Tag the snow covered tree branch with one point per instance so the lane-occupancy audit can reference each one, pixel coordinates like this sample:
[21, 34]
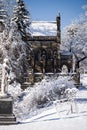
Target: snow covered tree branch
[74, 39]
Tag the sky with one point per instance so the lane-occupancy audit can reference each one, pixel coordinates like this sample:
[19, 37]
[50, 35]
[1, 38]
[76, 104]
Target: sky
[47, 10]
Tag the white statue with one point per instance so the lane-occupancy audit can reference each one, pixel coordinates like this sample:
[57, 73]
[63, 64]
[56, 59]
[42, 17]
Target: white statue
[4, 82]
[64, 69]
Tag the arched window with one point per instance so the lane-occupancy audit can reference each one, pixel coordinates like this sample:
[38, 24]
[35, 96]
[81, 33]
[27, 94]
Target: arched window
[55, 53]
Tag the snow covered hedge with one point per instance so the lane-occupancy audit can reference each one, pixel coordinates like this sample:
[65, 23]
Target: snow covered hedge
[40, 95]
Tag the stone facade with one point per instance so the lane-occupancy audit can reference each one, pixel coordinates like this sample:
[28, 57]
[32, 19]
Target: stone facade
[45, 57]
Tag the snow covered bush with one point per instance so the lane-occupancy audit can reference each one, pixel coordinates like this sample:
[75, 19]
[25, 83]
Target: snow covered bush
[40, 95]
[15, 90]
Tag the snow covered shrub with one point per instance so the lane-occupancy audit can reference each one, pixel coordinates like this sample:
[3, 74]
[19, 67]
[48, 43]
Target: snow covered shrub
[41, 95]
[15, 90]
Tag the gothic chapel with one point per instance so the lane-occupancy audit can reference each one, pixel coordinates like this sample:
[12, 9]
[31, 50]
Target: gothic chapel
[45, 57]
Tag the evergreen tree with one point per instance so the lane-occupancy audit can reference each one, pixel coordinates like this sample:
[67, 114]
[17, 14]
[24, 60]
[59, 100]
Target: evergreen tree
[3, 15]
[9, 7]
[16, 53]
[22, 18]
[4, 29]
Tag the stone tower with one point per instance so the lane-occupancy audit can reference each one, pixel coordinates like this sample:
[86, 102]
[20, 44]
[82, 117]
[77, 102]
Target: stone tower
[58, 30]
[58, 21]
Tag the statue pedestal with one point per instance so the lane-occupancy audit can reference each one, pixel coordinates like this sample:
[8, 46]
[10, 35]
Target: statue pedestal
[6, 111]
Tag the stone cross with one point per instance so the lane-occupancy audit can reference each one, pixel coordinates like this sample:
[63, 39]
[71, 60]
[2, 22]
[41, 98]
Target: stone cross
[4, 82]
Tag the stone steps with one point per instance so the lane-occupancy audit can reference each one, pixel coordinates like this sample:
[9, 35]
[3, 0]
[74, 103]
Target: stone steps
[7, 122]
[7, 119]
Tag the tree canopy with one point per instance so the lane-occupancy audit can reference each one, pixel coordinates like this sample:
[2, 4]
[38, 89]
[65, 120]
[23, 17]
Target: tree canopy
[74, 38]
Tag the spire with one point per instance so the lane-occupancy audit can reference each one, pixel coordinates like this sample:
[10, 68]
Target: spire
[58, 22]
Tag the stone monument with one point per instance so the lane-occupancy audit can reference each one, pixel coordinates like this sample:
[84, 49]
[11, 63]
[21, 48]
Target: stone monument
[6, 101]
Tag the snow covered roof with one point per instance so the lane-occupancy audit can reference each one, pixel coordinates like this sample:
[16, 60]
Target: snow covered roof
[43, 28]
[66, 53]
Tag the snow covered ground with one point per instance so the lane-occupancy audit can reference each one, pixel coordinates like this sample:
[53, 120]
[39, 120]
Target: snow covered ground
[58, 116]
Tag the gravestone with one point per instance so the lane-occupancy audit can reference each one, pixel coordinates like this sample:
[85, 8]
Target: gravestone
[6, 101]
